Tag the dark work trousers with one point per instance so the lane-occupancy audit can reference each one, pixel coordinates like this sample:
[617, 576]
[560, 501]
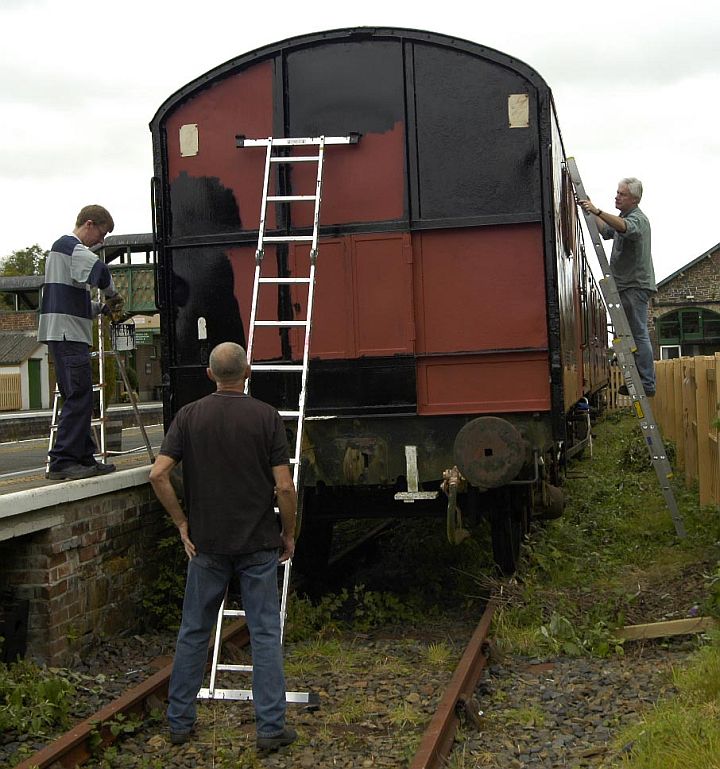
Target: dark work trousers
[73, 441]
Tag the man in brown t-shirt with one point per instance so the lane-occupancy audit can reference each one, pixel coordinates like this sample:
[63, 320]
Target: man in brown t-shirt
[235, 468]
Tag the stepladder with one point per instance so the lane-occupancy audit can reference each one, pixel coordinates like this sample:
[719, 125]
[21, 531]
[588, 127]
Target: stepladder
[109, 348]
[624, 347]
[266, 317]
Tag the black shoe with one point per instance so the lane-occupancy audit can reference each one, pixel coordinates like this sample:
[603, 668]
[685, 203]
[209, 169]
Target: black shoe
[104, 469]
[622, 390]
[71, 473]
[286, 737]
[180, 738]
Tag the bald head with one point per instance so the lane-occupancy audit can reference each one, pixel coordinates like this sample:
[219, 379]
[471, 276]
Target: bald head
[228, 364]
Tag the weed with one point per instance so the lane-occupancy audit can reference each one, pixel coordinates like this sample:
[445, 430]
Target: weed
[163, 597]
[404, 714]
[33, 700]
[583, 572]
[439, 655]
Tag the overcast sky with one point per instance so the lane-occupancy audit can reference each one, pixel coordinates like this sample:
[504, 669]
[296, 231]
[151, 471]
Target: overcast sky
[636, 84]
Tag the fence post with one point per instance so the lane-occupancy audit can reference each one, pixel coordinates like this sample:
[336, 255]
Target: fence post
[690, 423]
[705, 438]
[675, 403]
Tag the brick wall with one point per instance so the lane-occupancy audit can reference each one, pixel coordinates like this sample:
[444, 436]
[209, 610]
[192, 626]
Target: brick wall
[700, 281]
[19, 321]
[84, 578]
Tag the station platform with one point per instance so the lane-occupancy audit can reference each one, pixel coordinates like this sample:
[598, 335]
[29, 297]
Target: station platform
[22, 460]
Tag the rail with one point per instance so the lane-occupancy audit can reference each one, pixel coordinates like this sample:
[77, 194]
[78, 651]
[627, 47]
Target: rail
[438, 739]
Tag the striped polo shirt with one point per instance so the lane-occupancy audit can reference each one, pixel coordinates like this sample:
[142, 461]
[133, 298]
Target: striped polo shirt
[66, 312]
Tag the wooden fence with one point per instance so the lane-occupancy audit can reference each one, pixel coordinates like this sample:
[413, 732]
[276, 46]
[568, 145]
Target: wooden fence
[10, 397]
[686, 410]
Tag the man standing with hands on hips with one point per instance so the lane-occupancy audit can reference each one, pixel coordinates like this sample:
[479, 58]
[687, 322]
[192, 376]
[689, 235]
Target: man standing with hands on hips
[235, 465]
[632, 268]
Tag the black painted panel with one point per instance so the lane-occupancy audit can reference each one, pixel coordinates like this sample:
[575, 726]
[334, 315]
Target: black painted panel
[470, 163]
[202, 205]
[203, 286]
[341, 87]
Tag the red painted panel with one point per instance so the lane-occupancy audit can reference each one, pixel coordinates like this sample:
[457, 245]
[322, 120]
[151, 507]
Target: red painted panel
[382, 274]
[483, 384]
[480, 289]
[332, 329]
[361, 183]
[240, 104]
[363, 300]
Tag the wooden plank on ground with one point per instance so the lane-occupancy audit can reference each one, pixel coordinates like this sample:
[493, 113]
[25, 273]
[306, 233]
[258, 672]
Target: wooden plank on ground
[667, 628]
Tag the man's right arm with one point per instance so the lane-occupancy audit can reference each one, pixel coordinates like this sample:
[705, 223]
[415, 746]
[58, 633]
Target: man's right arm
[164, 491]
[286, 497]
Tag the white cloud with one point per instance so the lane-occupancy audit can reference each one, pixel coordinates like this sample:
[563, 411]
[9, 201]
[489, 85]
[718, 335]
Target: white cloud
[635, 86]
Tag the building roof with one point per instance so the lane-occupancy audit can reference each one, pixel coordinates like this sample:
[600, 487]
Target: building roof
[17, 347]
[19, 283]
[689, 265]
[115, 246]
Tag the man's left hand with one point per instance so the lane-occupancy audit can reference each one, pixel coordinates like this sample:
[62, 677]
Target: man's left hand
[288, 547]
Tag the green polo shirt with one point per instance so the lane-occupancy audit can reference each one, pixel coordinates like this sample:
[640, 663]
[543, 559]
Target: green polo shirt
[631, 259]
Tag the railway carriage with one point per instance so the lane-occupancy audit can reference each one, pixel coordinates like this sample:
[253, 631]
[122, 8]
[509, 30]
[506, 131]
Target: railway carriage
[456, 321]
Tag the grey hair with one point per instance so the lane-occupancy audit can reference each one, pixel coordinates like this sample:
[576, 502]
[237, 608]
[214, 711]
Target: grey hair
[228, 362]
[634, 186]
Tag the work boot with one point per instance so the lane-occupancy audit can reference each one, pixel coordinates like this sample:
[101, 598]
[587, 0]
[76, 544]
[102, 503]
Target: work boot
[104, 469]
[72, 472]
[286, 737]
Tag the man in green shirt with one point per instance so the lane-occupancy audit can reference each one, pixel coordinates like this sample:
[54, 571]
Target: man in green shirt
[632, 267]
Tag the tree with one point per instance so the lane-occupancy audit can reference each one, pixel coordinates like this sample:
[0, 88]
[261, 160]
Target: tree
[26, 261]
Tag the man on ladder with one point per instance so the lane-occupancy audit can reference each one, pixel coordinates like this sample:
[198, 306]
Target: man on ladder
[65, 324]
[235, 462]
[632, 267]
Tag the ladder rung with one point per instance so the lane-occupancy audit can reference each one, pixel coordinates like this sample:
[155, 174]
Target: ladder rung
[310, 698]
[233, 612]
[281, 323]
[295, 159]
[283, 281]
[288, 239]
[235, 668]
[277, 367]
[289, 413]
[288, 198]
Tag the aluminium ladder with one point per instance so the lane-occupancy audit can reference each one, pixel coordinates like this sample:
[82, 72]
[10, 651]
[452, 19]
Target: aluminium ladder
[101, 354]
[624, 346]
[279, 368]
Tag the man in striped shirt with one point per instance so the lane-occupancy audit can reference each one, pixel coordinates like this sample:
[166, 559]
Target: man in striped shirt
[66, 318]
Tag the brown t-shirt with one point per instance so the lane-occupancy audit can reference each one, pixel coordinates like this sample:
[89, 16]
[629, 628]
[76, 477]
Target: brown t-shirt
[228, 444]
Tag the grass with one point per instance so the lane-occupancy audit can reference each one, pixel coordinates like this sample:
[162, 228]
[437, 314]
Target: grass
[614, 559]
[685, 731]
[583, 575]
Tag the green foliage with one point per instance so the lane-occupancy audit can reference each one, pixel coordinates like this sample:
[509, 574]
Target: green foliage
[684, 731]
[580, 579]
[33, 700]
[26, 261]
[362, 608]
[163, 597]
[711, 605]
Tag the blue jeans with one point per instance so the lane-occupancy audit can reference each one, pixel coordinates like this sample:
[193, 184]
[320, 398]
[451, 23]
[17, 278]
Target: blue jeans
[635, 303]
[207, 579]
[73, 440]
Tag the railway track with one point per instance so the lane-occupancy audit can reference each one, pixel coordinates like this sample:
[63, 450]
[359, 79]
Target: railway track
[83, 741]
[89, 738]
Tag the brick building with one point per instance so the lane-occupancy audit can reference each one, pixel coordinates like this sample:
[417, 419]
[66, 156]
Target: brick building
[685, 312]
